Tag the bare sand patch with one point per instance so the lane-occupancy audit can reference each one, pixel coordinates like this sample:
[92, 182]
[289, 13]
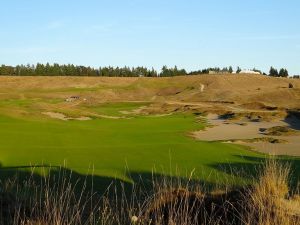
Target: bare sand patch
[237, 131]
[61, 116]
[111, 117]
[161, 115]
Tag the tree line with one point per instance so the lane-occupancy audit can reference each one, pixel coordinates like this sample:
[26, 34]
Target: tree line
[282, 72]
[213, 69]
[73, 70]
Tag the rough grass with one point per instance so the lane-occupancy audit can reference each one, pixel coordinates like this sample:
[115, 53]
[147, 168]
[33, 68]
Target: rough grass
[261, 139]
[118, 108]
[54, 201]
[280, 131]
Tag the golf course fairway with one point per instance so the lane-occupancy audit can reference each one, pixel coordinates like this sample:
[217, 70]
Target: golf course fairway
[110, 147]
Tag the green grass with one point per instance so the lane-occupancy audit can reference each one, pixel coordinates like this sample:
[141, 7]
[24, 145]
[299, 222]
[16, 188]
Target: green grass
[115, 109]
[16, 102]
[108, 147]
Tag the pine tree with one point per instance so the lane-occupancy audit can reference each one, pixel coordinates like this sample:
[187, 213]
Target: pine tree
[273, 72]
[283, 73]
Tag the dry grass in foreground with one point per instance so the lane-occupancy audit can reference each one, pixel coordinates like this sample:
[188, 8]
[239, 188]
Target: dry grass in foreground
[267, 202]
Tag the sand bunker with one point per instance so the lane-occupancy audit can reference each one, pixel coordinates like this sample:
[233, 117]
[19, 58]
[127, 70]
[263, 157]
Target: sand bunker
[61, 116]
[110, 117]
[224, 130]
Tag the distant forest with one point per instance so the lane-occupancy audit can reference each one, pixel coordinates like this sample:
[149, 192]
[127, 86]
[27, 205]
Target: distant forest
[73, 70]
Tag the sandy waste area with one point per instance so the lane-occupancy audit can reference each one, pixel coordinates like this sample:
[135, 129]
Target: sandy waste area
[239, 131]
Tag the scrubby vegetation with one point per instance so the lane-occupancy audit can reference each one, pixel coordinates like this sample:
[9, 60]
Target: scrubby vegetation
[260, 139]
[279, 131]
[56, 200]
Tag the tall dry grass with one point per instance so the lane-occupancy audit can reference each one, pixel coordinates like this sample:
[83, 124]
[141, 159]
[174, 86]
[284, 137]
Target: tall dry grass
[268, 201]
[271, 202]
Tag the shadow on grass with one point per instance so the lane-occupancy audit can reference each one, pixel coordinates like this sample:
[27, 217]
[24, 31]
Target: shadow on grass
[251, 167]
[87, 184]
[100, 185]
[248, 169]
[293, 119]
[38, 174]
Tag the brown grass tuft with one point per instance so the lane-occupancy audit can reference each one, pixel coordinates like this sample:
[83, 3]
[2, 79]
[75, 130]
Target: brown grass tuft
[270, 202]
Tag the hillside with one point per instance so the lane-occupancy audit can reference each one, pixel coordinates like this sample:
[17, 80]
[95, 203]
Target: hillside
[235, 89]
[101, 129]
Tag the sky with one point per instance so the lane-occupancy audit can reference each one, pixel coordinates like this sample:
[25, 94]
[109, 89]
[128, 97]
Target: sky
[192, 34]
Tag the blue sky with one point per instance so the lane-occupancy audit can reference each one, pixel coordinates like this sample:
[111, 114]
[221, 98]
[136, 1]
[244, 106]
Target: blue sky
[188, 33]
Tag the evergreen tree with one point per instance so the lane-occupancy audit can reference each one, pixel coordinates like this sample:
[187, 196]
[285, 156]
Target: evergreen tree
[273, 72]
[39, 69]
[283, 73]
[164, 72]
